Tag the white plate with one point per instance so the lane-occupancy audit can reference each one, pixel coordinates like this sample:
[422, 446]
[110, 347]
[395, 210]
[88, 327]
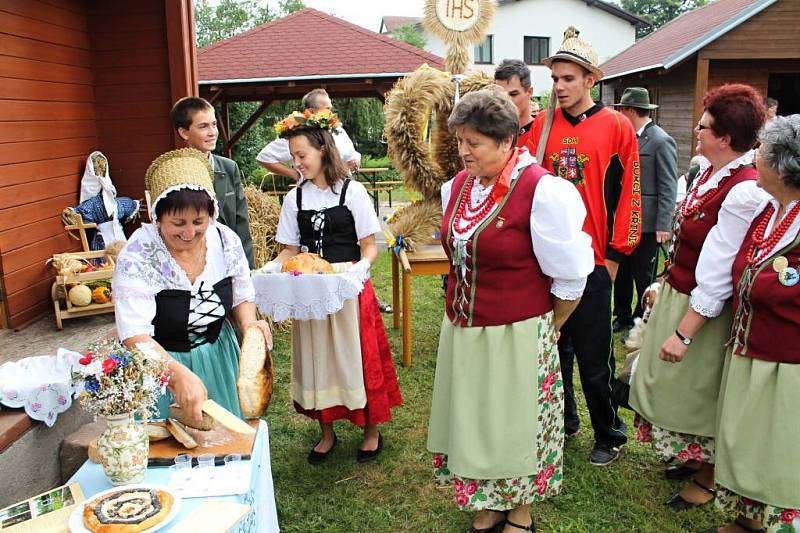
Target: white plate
[76, 518]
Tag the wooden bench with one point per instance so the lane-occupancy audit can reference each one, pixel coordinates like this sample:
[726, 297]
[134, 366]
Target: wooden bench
[384, 186]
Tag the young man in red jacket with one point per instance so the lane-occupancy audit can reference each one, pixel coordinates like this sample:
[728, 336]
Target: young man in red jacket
[594, 148]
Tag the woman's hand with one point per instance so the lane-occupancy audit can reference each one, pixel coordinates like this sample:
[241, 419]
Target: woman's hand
[189, 391]
[673, 350]
[264, 327]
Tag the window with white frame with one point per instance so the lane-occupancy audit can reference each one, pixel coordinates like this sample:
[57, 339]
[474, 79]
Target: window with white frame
[483, 51]
[535, 49]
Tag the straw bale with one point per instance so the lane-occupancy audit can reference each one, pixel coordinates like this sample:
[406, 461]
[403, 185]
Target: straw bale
[264, 211]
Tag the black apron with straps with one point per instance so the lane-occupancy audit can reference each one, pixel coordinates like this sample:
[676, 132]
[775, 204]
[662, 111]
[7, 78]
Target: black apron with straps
[172, 329]
[330, 232]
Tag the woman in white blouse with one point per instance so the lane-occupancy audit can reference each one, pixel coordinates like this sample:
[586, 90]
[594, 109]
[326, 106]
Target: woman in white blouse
[675, 387]
[179, 281]
[341, 366]
[519, 266]
[757, 455]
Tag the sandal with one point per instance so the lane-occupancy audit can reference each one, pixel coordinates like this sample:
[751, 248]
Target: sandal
[496, 527]
[739, 523]
[679, 471]
[531, 527]
[677, 503]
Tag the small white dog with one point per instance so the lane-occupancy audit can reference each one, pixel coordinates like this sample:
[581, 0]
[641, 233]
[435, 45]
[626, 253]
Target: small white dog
[649, 298]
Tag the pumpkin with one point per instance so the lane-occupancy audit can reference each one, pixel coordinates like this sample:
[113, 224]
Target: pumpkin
[80, 295]
[101, 295]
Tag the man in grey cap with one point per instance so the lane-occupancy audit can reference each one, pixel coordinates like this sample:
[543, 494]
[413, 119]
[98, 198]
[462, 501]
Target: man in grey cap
[658, 158]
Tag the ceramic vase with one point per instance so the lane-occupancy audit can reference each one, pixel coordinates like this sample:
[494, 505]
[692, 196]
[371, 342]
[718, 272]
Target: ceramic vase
[123, 447]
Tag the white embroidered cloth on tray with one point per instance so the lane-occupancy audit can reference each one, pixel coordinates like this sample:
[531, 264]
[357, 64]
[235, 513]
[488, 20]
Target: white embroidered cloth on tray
[42, 385]
[283, 296]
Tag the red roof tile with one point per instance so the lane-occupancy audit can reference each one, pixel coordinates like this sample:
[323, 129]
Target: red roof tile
[683, 36]
[309, 43]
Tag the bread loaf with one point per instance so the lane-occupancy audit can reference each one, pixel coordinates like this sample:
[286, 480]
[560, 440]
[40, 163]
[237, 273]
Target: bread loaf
[180, 433]
[180, 415]
[307, 263]
[157, 431]
[254, 382]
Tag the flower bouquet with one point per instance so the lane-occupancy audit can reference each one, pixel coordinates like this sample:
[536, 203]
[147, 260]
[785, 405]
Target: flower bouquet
[117, 383]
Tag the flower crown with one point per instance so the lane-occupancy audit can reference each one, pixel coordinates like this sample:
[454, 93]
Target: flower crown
[323, 119]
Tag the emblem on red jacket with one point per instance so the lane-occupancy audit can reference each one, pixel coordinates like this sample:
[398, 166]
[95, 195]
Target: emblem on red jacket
[569, 165]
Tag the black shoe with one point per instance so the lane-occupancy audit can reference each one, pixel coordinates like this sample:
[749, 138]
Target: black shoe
[677, 503]
[679, 472]
[619, 325]
[603, 455]
[364, 456]
[316, 458]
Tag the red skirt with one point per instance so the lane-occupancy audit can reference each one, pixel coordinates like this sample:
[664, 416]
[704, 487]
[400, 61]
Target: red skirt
[380, 378]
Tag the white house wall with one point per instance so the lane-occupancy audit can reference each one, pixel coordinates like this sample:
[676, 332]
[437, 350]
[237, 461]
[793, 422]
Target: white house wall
[609, 34]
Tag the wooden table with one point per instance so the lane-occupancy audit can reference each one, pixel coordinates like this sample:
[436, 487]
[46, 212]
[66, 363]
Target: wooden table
[370, 175]
[428, 260]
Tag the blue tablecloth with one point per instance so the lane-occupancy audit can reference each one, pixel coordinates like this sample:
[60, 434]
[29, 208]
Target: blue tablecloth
[261, 497]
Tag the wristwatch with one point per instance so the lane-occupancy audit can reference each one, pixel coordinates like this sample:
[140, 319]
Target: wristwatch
[685, 340]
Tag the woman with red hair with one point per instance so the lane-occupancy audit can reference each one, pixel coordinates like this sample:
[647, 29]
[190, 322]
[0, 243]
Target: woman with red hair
[675, 386]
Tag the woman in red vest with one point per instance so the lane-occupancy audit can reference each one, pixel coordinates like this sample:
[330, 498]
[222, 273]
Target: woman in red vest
[676, 383]
[758, 433]
[519, 266]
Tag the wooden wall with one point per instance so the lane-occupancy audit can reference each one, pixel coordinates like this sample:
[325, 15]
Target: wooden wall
[673, 92]
[771, 34]
[78, 76]
[47, 129]
[132, 87]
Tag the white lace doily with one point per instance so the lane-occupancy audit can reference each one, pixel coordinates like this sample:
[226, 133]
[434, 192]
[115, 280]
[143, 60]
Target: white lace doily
[42, 385]
[305, 296]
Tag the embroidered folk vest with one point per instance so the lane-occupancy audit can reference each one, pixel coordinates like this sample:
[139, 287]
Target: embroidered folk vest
[766, 321]
[503, 282]
[692, 233]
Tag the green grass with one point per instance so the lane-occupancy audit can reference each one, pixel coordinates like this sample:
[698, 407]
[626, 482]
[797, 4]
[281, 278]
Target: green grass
[396, 493]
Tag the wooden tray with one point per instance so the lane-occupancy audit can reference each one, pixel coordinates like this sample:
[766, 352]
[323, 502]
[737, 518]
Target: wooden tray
[220, 441]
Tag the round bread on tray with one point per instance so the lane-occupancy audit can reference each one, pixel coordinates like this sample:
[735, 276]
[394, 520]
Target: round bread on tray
[127, 510]
[307, 263]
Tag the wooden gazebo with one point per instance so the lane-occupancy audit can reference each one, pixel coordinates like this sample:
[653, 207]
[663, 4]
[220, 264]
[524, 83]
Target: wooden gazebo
[286, 58]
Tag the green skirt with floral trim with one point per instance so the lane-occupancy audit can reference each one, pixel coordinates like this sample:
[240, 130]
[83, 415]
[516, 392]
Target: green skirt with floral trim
[496, 427]
[758, 434]
[680, 397]
[217, 366]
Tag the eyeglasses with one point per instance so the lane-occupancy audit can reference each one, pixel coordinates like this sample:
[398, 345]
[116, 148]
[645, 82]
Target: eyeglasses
[700, 127]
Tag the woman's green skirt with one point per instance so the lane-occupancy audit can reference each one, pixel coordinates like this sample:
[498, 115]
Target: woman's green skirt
[758, 437]
[217, 365]
[680, 397]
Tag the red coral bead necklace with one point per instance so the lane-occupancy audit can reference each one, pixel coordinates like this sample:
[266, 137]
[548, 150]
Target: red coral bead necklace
[468, 215]
[762, 244]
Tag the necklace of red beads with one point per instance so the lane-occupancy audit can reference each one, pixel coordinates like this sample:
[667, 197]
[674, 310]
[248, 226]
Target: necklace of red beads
[695, 201]
[762, 244]
[468, 215]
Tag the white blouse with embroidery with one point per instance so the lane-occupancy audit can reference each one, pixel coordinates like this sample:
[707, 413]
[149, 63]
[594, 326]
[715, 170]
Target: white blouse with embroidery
[728, 236]
[713, 270]
[356, 199]
[562, 248]
[145, 267]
